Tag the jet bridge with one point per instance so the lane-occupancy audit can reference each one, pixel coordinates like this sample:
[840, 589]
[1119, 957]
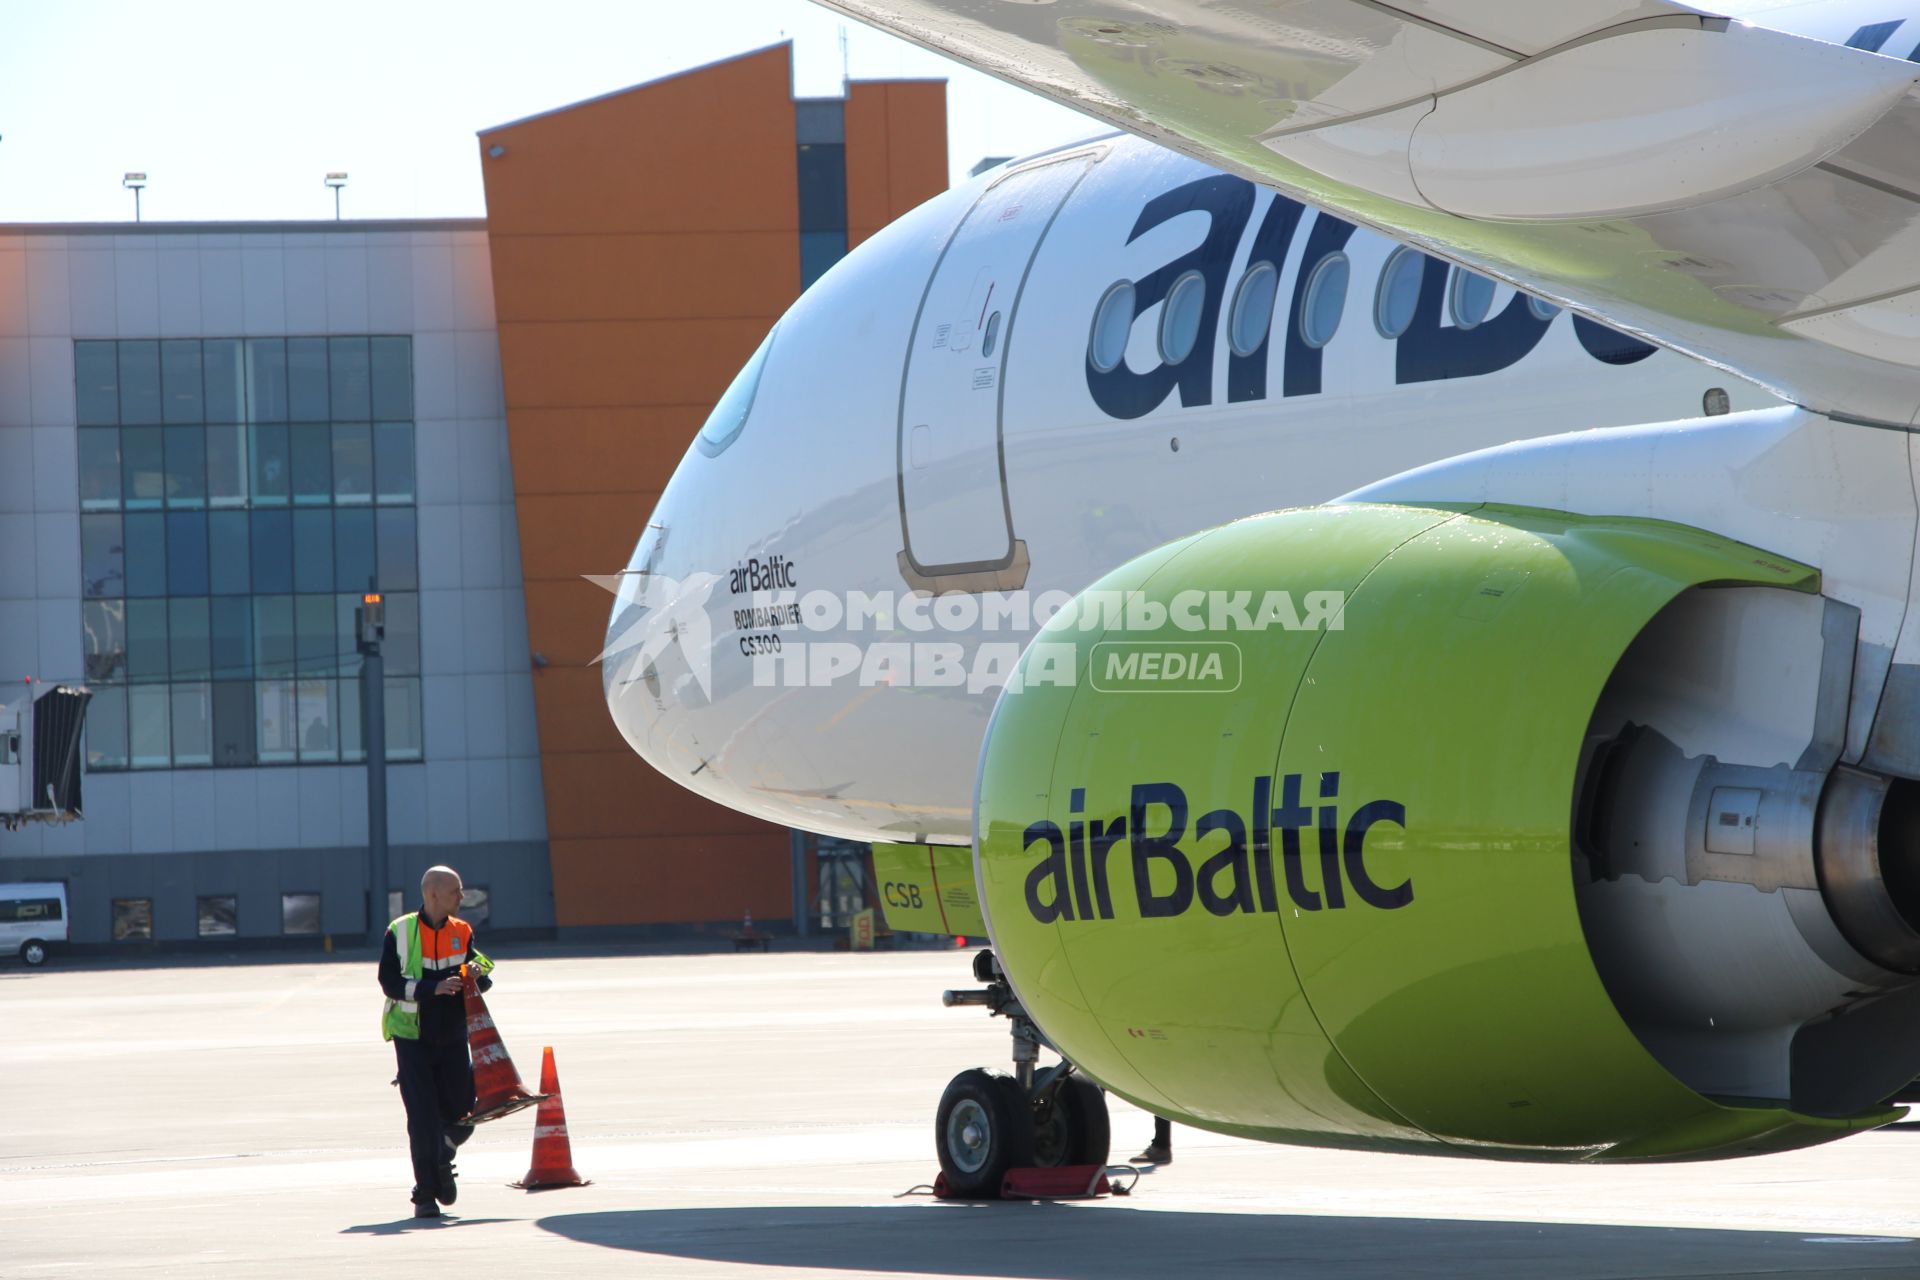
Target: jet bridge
[40, 744]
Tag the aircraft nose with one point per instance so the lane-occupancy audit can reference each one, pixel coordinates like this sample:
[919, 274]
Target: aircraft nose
[656, 666]
[658, 662]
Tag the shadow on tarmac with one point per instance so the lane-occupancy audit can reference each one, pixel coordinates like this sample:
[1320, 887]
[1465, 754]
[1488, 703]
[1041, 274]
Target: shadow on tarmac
[400, 1226]
[1049, 1241]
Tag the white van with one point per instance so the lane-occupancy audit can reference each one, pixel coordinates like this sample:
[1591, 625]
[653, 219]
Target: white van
[33, 915]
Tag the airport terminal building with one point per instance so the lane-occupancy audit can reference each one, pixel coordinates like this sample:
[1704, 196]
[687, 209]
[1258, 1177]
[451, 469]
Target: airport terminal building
[214, 438]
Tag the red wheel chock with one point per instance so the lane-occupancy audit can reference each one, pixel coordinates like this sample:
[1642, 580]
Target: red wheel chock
[1069, 1182]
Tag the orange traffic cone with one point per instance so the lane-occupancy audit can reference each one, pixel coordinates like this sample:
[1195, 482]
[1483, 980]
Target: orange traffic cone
[495, 1080]
[552, 1153]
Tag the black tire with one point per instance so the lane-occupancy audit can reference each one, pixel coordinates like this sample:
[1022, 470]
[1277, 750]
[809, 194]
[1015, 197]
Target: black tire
[983, 1128]
[1073, 1128]
[34, 952]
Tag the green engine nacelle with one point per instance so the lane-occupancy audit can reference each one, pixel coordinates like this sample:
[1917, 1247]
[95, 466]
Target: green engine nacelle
[1289, 856]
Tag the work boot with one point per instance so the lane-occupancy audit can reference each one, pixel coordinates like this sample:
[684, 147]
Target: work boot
[425, 1209]
[446, 1191]
[1154, 1154]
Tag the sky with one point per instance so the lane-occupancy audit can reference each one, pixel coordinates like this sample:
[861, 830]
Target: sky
[237, 110]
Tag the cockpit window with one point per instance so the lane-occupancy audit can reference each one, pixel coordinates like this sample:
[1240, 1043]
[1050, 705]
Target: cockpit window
[730, 414]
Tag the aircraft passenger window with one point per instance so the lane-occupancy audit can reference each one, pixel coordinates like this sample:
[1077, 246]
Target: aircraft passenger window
[1112, 325]
[1180, 317]
[730, 413]
[1542, 309]
[1324, 300]
[1252, 313]
[1399, 292]
[992, 337]
[1470, 298]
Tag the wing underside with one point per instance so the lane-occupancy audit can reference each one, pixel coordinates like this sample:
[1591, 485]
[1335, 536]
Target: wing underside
[1747, 196]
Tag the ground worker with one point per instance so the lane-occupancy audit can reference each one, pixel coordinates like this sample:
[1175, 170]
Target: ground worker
[1160, 1150]
[426, 1018]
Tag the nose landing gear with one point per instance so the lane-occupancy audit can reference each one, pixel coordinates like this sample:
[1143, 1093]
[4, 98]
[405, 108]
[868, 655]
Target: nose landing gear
[989, 1123]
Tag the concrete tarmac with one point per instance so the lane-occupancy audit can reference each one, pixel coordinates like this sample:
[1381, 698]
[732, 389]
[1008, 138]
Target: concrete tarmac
[760, 1115]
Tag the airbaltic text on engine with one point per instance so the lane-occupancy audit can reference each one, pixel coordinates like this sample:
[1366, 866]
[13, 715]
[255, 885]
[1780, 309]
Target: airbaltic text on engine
[1072, 882]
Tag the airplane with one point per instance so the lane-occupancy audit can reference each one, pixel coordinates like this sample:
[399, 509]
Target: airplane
[1260, 568]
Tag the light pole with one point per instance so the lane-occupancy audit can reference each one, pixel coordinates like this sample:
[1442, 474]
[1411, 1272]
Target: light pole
[336, 181]
[371, 618]
[133, 182]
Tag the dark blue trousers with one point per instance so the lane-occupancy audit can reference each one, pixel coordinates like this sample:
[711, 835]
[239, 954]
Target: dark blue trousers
[436, 1084]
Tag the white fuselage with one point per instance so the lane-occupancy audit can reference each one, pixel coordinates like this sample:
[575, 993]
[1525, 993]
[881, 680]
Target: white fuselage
[933, 457]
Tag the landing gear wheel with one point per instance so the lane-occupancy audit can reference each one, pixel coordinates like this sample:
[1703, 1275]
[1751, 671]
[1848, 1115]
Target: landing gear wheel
[34, 952]
[1072, 1128]
[983, 1128]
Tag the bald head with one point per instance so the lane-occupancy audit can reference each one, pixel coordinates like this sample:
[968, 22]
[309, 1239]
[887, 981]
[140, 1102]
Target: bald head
[440, 891]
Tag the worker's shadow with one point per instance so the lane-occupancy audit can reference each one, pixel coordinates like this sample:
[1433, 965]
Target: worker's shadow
[400, 1226]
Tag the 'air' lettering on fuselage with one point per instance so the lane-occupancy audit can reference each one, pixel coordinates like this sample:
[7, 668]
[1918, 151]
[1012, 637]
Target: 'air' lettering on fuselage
[1073, 879]
[1428, 351]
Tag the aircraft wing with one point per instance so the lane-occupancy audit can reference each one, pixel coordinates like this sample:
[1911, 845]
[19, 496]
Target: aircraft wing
[1744, 195]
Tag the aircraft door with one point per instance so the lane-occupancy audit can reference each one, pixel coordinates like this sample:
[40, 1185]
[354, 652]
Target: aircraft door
[955, 517]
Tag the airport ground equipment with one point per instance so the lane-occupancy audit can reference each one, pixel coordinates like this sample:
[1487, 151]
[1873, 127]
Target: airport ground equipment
[552, 1153]
[33, 918]
[40, 744]
[749, 936]
[1071, 1182]
[497, 1086]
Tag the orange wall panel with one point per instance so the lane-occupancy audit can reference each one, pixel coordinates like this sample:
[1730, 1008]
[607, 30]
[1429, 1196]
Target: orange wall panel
[916, 143]
[613, 447]
[571, 614]
[570, 714]
[565, 535]
[637, 263]
[591, 364]
[896, 151]
[709, 150]
[672, 879]
[650, 276]
[604, 794]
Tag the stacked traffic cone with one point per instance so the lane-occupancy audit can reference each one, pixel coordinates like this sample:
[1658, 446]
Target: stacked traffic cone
[495, 1080]
[552, 1153]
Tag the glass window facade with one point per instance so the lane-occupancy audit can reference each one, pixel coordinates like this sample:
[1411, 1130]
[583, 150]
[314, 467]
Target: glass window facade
[132, 919]
[219, 915]
[821, 152]
[237, 497]
[300, 913]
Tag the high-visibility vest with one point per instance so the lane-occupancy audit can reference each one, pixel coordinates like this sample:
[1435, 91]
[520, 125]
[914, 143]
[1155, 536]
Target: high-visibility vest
[422, 952]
